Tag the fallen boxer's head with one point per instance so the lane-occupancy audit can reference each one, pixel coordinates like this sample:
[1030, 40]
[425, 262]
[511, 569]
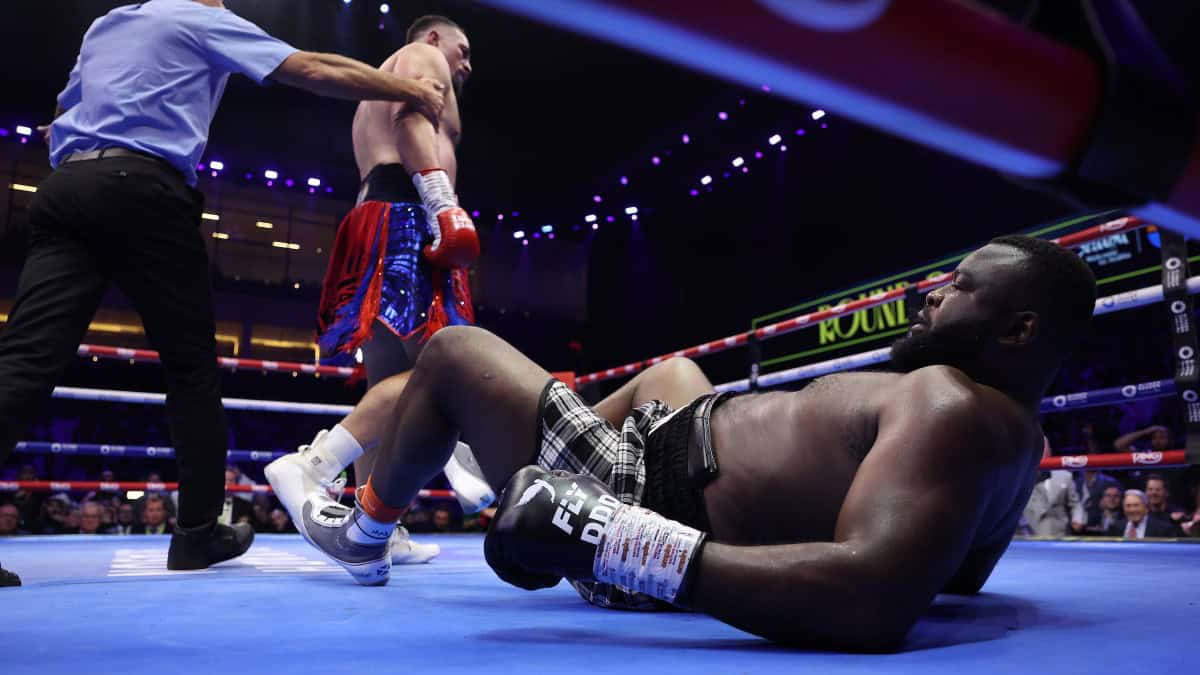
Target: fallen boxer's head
[1016, 301]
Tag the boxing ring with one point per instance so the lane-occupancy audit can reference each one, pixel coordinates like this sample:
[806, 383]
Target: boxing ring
[105, 599]
[107, 605]
[108, 602]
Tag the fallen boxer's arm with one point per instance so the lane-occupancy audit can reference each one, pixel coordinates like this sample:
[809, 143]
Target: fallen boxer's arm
[903, 531]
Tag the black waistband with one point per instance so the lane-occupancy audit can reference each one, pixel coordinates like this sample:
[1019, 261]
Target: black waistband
[116, 152]
[388, 183]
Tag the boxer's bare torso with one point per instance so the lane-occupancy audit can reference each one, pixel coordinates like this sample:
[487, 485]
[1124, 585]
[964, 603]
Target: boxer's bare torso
[788, 460]
[376, 139]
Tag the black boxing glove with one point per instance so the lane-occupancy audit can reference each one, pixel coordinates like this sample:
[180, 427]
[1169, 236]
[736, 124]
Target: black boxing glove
[554, 524]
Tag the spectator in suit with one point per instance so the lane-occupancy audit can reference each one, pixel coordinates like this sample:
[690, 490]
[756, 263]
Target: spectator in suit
[1158, 497]
[281, 523]
[1107, 513]
[154, 516]
[125, 520]
[10, 520]
[91, 518]
[1137, 523]
[1054, 509]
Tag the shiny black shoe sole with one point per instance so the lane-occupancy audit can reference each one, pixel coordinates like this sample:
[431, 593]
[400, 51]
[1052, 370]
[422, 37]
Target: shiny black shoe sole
[198, 550]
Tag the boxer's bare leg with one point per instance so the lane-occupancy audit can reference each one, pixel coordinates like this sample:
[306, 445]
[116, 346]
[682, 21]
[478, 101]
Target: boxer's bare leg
[388, 360]
[467, 381]
[676, 382]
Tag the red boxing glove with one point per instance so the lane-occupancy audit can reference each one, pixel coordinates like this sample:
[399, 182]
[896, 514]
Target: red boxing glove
[455, 242]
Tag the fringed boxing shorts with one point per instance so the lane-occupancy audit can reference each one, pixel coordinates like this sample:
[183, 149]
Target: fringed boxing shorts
[377, 271]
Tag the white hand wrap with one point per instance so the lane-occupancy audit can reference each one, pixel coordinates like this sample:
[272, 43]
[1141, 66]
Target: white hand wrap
[644, 552]
[437, 194]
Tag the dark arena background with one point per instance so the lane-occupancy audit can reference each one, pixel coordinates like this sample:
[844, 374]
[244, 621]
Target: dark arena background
[768, 188]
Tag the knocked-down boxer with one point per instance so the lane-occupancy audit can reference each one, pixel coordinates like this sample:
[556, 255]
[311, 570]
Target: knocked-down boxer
[832, 515]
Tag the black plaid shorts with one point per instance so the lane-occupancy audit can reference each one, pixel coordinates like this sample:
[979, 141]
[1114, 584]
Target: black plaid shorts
[572, 437]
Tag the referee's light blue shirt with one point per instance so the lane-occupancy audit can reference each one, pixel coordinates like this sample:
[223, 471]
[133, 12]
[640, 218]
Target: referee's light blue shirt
[149, 77]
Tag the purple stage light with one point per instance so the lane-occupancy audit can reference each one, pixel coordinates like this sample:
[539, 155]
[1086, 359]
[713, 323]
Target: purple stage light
[686, 139]
[516, 214]
[597, 198]
[270, 183]
[694, 192]
[200, 166]
[745, 169]
[537, 235]
[656, 160]
[289, 182]
[329, 189]
[525, 242]
[609, 219]
[824, 126]
[249, 176]
[214, 174]
[633, 217]
[3, 132]
[595, 226]
[783, 148]
[624, 180]
[766, 88]
[800, 132]
[722, 115]
[758, 154]
[474, 214]
[384, 8]
[499, 216]
[551, 235]
[726, 174]
[741, 101]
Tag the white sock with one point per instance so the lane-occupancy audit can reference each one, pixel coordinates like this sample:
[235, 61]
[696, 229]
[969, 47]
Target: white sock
[369, 531]
[337, 451]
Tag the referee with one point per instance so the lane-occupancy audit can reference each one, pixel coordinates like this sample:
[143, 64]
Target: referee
[121, 208]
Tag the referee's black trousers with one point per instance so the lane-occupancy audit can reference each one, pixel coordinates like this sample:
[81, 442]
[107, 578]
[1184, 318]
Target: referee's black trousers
[135, 223]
